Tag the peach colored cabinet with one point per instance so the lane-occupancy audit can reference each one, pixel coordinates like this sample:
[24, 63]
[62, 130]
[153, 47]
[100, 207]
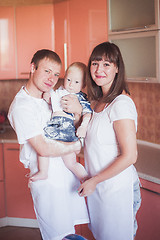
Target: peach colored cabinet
[7, 43]
[88, 27]
[18, 199]
[84, 231]
[34, 28]
[2, 201]
[149, 213]
[1, 163]
[2, 195]
[23, 31]
[80, 25]
[61, 20]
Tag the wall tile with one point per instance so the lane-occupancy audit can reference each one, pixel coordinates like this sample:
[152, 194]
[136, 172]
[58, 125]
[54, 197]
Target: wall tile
[147, 100]
[145, 95]
[8, 89]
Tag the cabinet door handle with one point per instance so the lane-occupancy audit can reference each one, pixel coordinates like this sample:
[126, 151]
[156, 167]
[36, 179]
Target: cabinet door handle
[150, 191]
[13, 149]
[24, 73]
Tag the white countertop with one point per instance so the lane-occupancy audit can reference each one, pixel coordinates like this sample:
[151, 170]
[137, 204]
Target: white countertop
[148, 162]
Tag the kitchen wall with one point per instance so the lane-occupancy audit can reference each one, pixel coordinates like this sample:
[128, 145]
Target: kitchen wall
[147, 99]
[8, 89]
[145, 95]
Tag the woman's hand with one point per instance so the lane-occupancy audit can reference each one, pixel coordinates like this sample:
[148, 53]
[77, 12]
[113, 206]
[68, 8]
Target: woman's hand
[71, 104]
[88, 187]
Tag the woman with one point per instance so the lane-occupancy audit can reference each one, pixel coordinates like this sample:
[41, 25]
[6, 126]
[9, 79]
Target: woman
[111, 149]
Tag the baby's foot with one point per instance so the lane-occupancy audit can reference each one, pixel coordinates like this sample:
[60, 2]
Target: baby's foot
[38, 176]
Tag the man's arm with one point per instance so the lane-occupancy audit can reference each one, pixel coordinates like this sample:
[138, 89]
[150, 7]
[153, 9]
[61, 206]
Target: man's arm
[53, 148]
[33, 134]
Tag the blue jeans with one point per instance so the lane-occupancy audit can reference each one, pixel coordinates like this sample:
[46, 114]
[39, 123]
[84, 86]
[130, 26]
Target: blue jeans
[61, 128]
[136, 203]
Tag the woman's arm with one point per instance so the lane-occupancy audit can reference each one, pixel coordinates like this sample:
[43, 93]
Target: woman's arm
[53, 148]
[126, 137]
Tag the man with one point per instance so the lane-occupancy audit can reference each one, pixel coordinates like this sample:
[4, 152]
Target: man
[57, 204]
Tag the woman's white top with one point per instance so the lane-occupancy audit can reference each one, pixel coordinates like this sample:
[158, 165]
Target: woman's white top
[111, 204]
[57, 204]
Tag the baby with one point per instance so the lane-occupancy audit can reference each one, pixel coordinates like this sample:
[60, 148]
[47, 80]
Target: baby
[61, 126]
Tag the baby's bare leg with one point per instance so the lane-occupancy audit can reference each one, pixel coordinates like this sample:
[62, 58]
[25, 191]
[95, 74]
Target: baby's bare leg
[42, 174]
[74, 166]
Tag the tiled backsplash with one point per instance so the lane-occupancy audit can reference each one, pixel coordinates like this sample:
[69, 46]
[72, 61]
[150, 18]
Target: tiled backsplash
[8, 89]
[145, 95]
[147, 99]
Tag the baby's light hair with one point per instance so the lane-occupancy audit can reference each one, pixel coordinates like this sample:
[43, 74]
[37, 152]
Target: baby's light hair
[81, 66]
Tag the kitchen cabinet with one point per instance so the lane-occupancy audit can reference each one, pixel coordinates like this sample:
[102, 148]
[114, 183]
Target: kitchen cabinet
[2, 194]
[84, 231]
[142, 16]
[88, 27]
[1, 163]
[23, 31]
[61, 20]
[7, 43]
[80, 25]
[149, 214]
[18, 198]
[138, 38]
[34, 31]
[2, 201]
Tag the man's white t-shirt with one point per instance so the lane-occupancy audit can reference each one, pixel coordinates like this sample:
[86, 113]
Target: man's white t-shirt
[28, 116]
[57, 205]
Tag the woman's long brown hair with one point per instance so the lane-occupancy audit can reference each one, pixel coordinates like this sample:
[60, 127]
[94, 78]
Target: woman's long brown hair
[111, 53]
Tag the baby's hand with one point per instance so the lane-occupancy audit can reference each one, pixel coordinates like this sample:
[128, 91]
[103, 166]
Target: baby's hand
[81, 132]
[47, 97]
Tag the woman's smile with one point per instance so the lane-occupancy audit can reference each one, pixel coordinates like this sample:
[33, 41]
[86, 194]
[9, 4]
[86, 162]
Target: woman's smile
[103, 72]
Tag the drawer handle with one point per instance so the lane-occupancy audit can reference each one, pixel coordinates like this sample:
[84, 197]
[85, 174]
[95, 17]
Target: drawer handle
[13, 149]
[151, 191]
[24, 73]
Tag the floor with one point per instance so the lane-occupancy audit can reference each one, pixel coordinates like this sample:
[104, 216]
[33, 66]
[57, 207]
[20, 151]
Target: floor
[19, 233]
[26, 233]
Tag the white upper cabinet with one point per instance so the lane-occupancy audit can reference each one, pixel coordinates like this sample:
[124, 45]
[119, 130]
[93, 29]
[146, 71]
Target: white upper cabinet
[134, 26]
[133, 15]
